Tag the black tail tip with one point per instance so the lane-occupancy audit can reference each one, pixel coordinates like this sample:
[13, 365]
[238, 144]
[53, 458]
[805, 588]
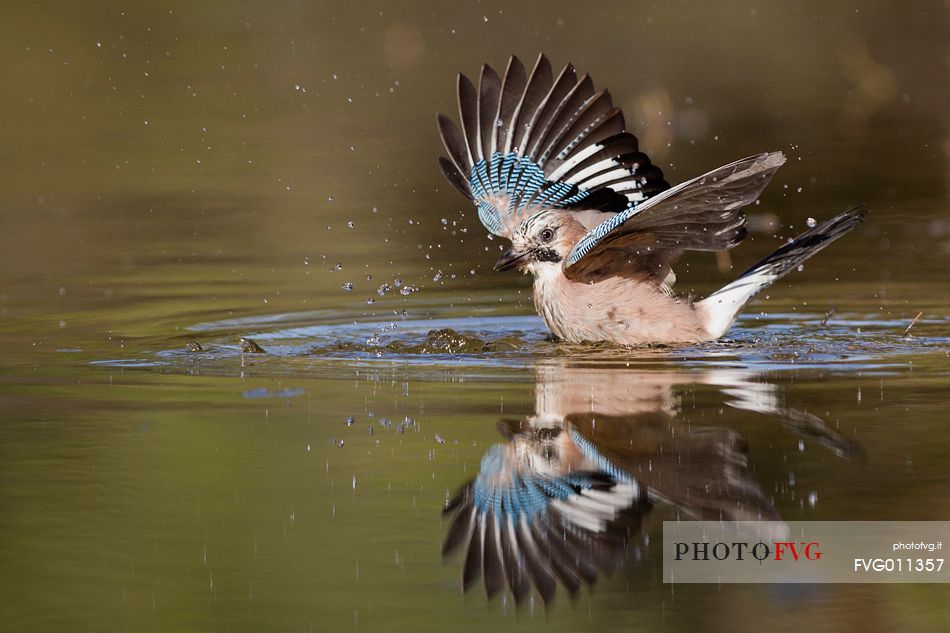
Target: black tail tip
[837, 225]
[808, 243]
[854, 215]
[860, 211]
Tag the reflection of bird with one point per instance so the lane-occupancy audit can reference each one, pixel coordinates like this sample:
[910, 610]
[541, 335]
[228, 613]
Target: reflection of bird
[541, 511]
[558, 501]
[550, 167]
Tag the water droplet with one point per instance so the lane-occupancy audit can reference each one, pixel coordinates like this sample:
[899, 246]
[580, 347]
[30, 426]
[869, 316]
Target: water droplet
[351, 224]
[811, 222]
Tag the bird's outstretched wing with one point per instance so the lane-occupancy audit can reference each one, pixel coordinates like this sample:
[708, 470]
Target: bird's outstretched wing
[523, 527]
[704, 213]
[529, 142]
[701, 471]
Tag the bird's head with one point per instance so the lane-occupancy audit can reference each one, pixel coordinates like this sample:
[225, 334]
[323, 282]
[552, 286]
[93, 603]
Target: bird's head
[543, 239]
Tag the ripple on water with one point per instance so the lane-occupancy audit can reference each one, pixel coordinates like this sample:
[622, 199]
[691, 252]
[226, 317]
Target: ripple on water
[774, 342]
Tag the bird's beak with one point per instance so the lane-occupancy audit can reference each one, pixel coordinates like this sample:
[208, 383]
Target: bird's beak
[509, 259]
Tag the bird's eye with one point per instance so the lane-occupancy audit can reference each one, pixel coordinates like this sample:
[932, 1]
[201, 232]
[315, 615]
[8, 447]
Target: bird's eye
[546, 235]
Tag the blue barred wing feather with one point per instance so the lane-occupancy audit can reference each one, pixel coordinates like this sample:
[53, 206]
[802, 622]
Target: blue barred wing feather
[532, 141]
[520, 527]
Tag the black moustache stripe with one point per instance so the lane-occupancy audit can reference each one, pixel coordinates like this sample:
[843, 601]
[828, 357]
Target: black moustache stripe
[547, 255]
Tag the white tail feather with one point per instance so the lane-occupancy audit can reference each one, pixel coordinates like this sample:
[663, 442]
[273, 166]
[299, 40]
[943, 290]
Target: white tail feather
[722, 307]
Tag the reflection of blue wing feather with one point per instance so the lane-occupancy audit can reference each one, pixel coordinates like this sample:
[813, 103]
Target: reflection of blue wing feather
[513, 515]
[500, 490]
[527, 144]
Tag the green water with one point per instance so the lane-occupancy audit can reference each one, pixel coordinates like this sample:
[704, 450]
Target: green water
[189, 172]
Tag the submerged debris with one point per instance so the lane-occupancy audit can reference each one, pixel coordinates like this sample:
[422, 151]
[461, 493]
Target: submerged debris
[827, 316]
[913, 323]
[448, 341]
[441, 342]
[250, 347]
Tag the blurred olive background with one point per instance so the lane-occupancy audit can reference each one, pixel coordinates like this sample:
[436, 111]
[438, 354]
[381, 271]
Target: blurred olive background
[165, 165]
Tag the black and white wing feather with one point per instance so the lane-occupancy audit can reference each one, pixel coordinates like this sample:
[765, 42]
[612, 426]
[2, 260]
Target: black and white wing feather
[531, 141]
[704, 213]
[521, 527]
